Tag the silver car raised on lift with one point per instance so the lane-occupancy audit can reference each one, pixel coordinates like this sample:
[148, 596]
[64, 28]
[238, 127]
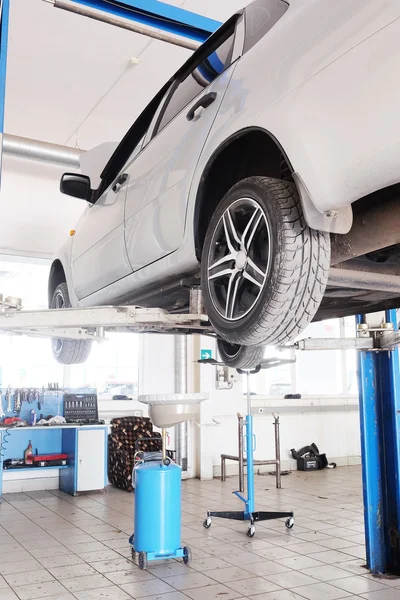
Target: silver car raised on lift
[251, 173]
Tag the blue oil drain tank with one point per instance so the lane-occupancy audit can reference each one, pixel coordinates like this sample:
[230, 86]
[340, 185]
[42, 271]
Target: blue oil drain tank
[157, 521]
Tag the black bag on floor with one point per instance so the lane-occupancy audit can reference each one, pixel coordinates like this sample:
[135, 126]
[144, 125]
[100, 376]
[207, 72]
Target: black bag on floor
[309, 459]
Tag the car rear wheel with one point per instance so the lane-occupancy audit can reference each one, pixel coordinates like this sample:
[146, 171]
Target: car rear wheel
[264, 271]
[240, 357]
[68, 352]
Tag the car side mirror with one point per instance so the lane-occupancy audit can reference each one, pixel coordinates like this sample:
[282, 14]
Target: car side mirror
[76, 185]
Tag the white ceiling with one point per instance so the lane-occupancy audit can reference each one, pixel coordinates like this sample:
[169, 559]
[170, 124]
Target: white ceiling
[69, 82]
[69, 79]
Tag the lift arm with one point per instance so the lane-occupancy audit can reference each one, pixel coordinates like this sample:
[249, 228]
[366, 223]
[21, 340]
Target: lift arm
[91, 323]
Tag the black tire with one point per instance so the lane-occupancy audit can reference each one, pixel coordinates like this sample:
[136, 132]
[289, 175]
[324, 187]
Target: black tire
[251, 532]
[289, 523]
[240, 357]
[68, 352]
[142, 561]
[293, 262]
[187, 555]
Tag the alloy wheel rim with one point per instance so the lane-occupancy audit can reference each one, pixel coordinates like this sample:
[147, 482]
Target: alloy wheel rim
[239, 259]
[231, 350]
[58, 302]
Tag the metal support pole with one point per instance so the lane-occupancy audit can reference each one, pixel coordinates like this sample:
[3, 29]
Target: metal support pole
[249, 450]
[181, 388]
[164, 443]
[277, 453]
[379, 389]
[240, 453]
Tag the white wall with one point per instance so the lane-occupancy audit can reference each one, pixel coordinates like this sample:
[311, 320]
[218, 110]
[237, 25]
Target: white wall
[336, 434]
[330, 422]
[36, 217]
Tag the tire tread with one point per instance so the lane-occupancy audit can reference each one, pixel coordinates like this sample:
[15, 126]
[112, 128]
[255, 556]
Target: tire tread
[73, 352]
[303, 271]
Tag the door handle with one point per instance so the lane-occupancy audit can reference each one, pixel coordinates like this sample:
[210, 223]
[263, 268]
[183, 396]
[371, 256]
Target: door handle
[204, 102]
[119, 182]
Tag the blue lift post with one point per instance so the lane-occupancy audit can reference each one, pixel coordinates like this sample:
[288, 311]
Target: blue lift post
[379, 389]
[4, 14]
[158, 14]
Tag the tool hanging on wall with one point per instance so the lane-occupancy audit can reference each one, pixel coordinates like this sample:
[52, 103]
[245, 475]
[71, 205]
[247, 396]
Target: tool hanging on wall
[8, 399]
[41, 398]
[17, 401]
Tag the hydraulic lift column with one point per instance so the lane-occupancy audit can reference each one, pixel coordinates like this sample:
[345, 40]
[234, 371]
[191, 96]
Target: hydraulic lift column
[379, 390]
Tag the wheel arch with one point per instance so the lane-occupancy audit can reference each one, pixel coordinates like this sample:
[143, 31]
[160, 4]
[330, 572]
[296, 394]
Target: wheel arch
[56, 276]
[250, 151]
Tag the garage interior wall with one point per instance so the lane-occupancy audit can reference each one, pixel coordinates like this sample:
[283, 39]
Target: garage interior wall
[314, 418]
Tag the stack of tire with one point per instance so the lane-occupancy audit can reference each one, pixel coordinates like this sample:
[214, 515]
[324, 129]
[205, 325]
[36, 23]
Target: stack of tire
[122, 445]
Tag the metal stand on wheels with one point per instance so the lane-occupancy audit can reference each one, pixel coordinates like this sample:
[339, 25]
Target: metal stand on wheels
[249, 514]
[243, 462]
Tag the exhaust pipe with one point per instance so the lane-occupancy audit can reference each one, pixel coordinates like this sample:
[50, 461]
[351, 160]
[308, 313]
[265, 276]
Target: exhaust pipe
[374, 227]
[365, 280]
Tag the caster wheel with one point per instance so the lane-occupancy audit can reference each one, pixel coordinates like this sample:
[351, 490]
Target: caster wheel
[251, 531]
[142, 560]
[166, 462]
[133, 553]
[187, 555]
[289, 522]
[207, 523]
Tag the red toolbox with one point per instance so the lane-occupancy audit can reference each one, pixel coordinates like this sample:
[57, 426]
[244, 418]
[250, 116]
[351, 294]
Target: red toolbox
[49, 460]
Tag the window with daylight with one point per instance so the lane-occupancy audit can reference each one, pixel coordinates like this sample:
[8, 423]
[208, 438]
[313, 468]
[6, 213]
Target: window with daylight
[316, 373]
[112, 367]
[26, 361]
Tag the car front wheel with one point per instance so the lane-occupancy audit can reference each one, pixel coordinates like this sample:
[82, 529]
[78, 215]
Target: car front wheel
[67, 352]
[264, 271]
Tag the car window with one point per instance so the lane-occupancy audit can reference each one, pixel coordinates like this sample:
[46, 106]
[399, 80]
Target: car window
[202, 75]
[260, 17]
[129, 143]
[135, 152]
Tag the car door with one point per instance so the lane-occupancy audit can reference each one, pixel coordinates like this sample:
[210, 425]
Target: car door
[159, 179]
[99, 255]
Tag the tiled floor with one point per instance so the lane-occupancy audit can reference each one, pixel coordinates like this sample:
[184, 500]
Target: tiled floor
[58, 547]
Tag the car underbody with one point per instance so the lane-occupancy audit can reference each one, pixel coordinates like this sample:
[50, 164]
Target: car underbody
[364, 275]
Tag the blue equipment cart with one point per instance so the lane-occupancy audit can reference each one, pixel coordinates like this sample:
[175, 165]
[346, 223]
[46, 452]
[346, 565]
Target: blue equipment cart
[157, 521]
[249, 513]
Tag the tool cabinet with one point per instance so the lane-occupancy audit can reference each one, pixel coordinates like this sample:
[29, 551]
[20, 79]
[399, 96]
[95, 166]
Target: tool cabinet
[85, 445]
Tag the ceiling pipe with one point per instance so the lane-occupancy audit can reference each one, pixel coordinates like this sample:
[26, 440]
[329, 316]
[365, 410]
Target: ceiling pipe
[21, 147]
[157, 34]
